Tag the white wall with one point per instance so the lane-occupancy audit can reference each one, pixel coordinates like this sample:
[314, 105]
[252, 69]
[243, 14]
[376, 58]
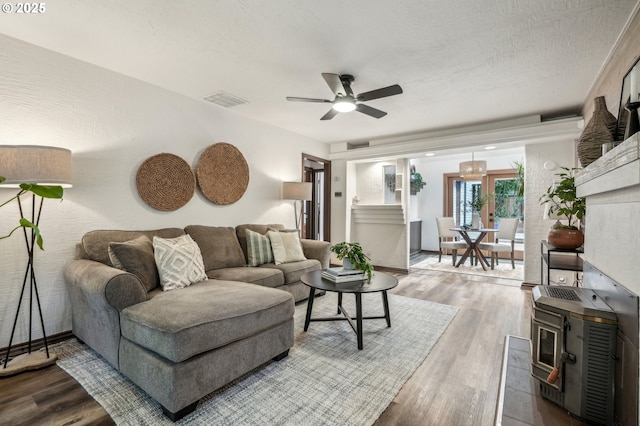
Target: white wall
[537, 180]
[112, 123]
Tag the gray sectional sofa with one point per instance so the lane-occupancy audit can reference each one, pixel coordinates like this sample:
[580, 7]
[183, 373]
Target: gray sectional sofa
[181, 345]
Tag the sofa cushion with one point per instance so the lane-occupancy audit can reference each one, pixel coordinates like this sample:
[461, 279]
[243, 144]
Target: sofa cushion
[181, 324]
[294, 270]
[179, 262]
[219, 246]
[136, 257]
[260, 229]
[95, 244]
[286, 247]
[263, 277]
[258, 248]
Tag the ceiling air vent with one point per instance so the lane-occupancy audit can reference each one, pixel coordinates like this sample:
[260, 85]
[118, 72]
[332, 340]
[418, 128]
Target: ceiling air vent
[225, 99]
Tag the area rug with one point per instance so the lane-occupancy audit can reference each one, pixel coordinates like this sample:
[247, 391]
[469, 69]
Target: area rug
[501, 270]
[325, 380]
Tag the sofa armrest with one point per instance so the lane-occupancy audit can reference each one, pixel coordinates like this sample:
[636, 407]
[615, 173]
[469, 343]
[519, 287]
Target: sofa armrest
[104, 284]
[319, 250]
[98, 293]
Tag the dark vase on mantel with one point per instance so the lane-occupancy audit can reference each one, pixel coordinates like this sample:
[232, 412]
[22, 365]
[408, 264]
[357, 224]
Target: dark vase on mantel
[632, 121]
[599, 130]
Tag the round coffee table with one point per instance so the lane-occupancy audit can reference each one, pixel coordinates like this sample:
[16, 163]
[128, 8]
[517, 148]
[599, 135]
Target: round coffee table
[380, 282]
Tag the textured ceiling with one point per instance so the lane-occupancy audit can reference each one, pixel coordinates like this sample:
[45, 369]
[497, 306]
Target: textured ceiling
[459, 61]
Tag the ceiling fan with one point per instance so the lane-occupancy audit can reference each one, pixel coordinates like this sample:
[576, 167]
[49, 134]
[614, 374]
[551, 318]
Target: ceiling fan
[346, 101]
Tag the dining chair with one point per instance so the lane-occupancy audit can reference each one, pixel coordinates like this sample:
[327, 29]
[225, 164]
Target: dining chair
[506, 231]
[448, 239]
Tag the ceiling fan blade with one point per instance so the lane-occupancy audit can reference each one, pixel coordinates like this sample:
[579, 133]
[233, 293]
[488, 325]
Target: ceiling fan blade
[334, 83]
[294, 99]
[376, 113]
[380, 93]
[329, 115]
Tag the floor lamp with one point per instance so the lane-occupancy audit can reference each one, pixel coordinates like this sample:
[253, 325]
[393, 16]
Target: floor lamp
[46, 166]
[297, 191]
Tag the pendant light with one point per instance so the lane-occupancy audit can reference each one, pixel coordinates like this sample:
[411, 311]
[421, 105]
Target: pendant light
[473, 170]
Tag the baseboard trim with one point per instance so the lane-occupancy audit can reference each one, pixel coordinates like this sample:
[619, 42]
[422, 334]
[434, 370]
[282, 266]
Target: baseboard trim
[36, 344]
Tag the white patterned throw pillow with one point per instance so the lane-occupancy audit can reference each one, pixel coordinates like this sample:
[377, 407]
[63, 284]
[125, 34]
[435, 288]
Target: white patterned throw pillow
[258, 248]
[286, 247]
[179, 262]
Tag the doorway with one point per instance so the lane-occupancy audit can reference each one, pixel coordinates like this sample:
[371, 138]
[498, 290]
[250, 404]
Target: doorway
[506, 201]
[316, 216]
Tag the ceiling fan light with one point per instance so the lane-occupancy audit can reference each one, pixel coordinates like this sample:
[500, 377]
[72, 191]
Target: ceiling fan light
[344, 105]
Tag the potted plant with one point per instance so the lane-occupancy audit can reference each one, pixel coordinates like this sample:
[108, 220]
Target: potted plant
[561, 201]
[40, 190]
[478, 201]
[353, 256]
[416, 181]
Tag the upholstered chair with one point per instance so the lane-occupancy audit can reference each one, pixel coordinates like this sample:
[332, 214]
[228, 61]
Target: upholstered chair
[448, 239]
[506, 233]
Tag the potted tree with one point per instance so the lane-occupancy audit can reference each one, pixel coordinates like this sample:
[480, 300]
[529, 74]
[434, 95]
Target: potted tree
[353, 257]
[561, 201]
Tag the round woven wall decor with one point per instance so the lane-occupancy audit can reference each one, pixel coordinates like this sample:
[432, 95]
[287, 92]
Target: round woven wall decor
[223, 173]
[165, 181]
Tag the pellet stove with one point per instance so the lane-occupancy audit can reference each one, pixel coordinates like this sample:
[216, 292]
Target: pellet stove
[573, 335]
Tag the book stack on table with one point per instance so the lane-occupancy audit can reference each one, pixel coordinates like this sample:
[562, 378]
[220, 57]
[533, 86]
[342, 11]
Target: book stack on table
[341, 275]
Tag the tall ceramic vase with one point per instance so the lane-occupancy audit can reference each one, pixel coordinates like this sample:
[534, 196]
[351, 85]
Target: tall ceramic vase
[475, 220]
[599, 131]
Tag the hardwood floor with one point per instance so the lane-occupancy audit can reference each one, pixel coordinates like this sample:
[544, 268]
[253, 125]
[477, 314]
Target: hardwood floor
[456, 385]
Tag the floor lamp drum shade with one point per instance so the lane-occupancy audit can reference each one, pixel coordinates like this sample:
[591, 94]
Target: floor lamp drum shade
[296, 190]
[44, 165]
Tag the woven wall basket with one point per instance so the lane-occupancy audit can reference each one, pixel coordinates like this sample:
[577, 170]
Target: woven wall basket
[165, 181]
[223, 173]
[600, 130]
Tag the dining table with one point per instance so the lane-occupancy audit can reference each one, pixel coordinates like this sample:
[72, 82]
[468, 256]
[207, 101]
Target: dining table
[473, 237]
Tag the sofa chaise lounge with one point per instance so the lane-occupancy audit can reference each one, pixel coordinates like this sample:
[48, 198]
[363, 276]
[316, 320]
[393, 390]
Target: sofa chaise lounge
[181, 345]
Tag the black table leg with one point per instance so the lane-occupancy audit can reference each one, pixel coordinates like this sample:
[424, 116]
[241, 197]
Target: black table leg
[312, 293]
[385, 301]
[339, 301]
[359, 319]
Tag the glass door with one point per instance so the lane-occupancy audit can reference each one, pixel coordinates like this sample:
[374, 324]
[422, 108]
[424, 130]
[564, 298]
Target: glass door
[507, 202]
[458, 194]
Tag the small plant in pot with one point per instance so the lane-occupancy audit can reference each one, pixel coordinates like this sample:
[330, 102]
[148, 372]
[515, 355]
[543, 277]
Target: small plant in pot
[353, 257]
[478, 201]
[561, 201]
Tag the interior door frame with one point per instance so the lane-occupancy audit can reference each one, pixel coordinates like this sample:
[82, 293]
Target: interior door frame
[326, 214]
[488, 211]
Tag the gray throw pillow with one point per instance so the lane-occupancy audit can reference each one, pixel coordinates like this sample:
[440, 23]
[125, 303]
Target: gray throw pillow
[136, 257]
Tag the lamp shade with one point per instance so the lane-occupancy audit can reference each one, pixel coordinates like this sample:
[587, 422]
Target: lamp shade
[296, 190]
[44, 165]
[473, 170]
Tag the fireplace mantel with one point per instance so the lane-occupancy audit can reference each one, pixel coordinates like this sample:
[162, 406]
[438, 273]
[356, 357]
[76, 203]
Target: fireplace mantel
[611, 186]
[616, 170]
